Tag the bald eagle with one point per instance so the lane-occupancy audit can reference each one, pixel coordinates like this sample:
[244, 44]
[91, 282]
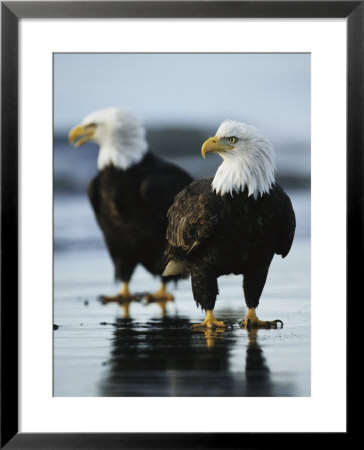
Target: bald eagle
[130, 195]
[232, 223]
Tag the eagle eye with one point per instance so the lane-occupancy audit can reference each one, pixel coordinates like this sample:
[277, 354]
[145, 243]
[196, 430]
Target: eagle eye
[91, 125]
[233, 140]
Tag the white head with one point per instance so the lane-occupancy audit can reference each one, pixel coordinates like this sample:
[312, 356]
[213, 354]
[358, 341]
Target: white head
[248, 159]
[120, 135]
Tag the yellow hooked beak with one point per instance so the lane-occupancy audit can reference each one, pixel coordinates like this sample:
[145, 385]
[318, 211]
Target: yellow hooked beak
[82, 133]
[213, 144]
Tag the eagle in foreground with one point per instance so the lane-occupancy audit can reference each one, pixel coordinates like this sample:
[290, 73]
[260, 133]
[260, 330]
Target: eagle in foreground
[232, 223]
[130, 195]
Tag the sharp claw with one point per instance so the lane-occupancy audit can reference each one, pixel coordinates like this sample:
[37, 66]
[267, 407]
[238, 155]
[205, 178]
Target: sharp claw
[229, 323]
[278, 321]
[105, 300]
[248, 324]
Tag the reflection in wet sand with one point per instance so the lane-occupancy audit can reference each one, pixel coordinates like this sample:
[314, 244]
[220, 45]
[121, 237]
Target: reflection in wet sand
[161, 302]
[143, 297]
[164, 357]
[256, 368]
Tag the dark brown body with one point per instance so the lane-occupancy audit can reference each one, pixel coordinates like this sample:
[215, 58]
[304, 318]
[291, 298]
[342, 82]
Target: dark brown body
[130, 207]
[215, 235]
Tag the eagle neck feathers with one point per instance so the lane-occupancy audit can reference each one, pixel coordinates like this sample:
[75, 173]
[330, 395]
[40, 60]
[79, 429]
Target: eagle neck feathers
[251, 168]
[120, 157]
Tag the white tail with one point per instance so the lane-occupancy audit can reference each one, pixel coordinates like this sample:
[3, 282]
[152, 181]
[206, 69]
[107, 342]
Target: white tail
[174, 267]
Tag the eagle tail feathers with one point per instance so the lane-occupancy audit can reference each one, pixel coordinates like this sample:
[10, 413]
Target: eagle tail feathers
[175, 267]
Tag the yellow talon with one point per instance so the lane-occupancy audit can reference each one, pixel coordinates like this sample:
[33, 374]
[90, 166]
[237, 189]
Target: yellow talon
[210, 321]
[123, 296]
[125, 293]
[251, 320]
[161, 297]
[110, 299]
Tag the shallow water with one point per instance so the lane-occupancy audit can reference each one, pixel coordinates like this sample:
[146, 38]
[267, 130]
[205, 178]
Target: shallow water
[98, 352]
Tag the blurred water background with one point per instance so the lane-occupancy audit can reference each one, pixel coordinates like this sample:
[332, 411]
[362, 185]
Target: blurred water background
[98, 352]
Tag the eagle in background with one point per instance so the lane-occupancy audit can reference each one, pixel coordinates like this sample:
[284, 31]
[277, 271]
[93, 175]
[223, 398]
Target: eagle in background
[234, 222]
[130, 195]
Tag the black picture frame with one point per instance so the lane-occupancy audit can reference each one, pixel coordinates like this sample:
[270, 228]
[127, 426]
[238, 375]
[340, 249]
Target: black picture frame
[11, 13]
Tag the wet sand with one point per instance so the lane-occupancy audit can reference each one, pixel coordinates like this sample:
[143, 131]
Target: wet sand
[98, 352]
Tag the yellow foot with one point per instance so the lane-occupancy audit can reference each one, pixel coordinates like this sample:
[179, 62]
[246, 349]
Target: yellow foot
[107, 299]
[210, 321]
[251, 321]
[159, 296]
[124, 296]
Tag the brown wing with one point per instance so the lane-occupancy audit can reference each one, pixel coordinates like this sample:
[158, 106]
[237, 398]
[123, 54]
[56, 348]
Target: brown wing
[193, 218]
[285, 222]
